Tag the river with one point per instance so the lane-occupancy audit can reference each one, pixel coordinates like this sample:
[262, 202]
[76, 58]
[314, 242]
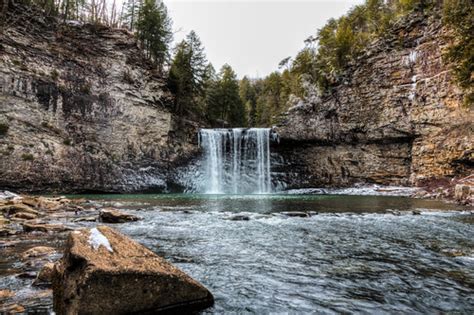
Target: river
[262, 254]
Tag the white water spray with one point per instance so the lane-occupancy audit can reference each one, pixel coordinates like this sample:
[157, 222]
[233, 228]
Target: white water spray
[236, 161]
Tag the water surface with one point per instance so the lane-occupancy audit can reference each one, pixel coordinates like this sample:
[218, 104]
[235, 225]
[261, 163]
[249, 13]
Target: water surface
[352, 254]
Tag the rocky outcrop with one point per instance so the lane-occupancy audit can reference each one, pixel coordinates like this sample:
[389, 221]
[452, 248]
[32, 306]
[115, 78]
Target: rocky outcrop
[104, 272]
[82, 110]
[396, 117]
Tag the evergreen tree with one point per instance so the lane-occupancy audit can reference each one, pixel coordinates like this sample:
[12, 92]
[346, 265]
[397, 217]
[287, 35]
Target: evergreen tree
[190, 75]
[180, 80]
[154, 31]
[198, 61]
[248, 98]
[224, 103]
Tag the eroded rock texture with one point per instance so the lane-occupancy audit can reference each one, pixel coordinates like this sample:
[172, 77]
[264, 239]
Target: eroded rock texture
[397, 117]
[81, 110]
[105, 272]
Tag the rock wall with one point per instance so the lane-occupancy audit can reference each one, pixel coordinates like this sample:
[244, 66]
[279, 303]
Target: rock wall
[397, 117]
[82, 110]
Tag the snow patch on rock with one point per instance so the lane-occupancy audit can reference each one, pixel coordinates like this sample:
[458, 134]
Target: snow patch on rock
[96, 239]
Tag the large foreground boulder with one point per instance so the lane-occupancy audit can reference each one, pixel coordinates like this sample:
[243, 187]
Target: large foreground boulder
[105, 272]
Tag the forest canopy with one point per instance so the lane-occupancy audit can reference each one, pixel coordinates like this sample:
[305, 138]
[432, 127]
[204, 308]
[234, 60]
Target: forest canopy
[221, 98]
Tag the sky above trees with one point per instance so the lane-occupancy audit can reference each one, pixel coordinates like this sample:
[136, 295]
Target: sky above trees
[253, 35]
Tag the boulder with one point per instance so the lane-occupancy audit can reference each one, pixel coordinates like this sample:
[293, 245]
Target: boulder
[85, 219]
[24, 216]
[38, 251]
[464, 193]
[45, 228]
[7, 232]
[49, 204]
[109, 215]
[12, 309]
[105, 272]
[5, 294]
[3, 220]
[45, 275]
[17, 208]
[30, 201]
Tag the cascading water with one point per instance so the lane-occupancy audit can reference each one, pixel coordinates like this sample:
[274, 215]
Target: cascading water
[236, 161]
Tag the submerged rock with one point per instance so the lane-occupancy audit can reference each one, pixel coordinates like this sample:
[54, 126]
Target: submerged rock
[105, 272]
[239, 217]
[110, 215]
[296, 214]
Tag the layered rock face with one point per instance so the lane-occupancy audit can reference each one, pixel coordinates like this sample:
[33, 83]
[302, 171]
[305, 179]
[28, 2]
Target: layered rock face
[397, 117]
[82, 110]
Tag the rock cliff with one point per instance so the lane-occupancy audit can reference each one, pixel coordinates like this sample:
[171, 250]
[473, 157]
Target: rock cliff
[82, 110]
[396, 117]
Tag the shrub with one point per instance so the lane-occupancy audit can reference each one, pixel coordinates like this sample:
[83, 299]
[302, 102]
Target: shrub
[3, 129]
[54, 74]
[127, 77]
[27, 157]
[67, 141]
[85, 88]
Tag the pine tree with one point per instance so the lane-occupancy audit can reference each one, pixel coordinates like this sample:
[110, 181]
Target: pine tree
[225, 103]
[190, 74]
[248, 98]
[154, 31]
[180, 80]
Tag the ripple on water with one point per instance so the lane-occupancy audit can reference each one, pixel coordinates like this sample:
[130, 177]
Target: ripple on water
[352, 256]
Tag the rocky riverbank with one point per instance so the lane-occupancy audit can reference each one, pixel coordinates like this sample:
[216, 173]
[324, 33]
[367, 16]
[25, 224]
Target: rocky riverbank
[45, 238]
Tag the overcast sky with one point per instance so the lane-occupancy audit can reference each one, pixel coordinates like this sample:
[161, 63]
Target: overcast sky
[252, 36]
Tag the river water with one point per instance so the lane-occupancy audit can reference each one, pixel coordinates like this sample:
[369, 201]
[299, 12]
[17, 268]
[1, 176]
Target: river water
[351, 254]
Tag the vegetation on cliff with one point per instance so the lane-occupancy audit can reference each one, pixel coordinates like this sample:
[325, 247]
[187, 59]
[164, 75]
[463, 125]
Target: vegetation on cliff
[342, 41]
[320, 65]
[459, 15]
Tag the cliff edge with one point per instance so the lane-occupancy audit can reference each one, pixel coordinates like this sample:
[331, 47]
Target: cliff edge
[395, 118]
[82, 110]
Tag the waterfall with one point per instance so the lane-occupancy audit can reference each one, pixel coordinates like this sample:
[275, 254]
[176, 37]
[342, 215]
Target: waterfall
[235, 161]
